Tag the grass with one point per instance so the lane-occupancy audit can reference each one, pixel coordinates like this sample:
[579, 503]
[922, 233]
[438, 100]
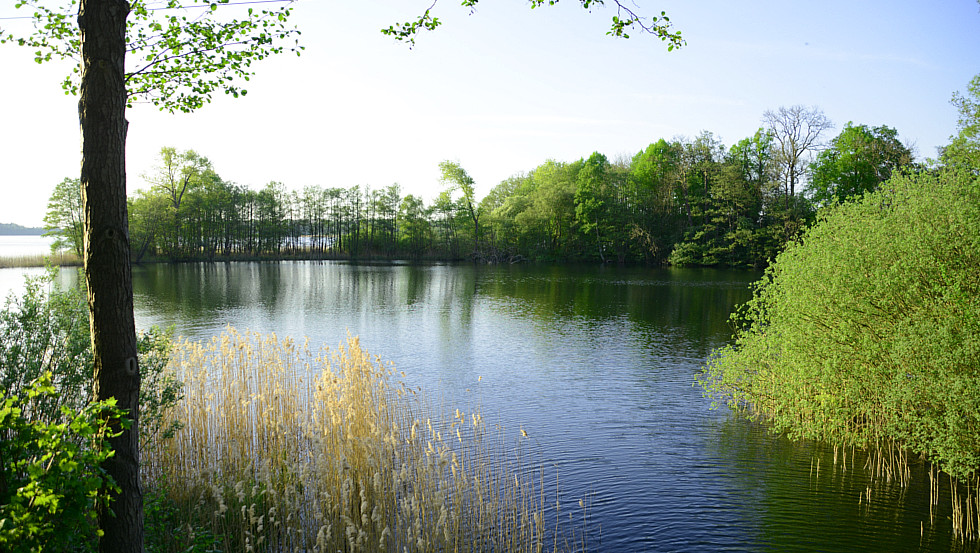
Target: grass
[288, 448]
[60, 259]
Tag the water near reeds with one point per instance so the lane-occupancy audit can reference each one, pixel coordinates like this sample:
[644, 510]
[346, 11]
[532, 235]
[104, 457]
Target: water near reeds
[24, 245]
[596, 365]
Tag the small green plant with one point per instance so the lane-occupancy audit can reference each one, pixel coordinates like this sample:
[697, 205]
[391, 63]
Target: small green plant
[51, 480]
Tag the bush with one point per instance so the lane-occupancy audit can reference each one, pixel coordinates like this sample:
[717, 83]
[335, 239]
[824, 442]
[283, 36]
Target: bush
[44, 337]
[46, 330]
[51, 480]
[867, 333]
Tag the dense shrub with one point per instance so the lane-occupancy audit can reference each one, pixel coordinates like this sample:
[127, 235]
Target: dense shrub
[51, 480]
[52, 436]
[867, 333]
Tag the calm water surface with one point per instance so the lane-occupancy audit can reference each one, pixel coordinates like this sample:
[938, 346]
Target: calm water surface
[597, 365]
[18, 245]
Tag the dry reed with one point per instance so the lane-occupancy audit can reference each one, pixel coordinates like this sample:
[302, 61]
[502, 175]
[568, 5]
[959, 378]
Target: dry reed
[288, 448]
[887, 462]
[60, 259]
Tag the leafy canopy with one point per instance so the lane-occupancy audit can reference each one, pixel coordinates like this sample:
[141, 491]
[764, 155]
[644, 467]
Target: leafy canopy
[179, 52]
[858, 160]
[65, 220]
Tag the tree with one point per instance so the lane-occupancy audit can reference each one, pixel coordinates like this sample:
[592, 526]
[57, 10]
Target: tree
[865, 333]
[797, 131]
[857, 161]
[457, 178]
[544, 208]
[591, 200]
[414, 225]
[178, 173]
[64, 220]
[656, 171]
[147, 213]
[748, 181]
[178, 63]
[964, 148]
[625, 20]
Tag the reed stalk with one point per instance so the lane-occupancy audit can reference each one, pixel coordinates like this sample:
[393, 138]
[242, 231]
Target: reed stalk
[285, 447]
[60, 259]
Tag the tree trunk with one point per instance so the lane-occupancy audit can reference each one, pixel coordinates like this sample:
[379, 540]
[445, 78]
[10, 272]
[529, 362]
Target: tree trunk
[101, 111]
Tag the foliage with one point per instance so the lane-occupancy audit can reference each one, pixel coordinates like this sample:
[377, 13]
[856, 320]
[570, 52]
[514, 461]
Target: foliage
[46, 362]
[457, 179]
[51, 480]
[688, 202]
[588, 197]
[45, 330]
[623, 22]
[64, 219]
[964, 148]
[858, 160]
[179, 52]
[867, 333]
[178, 173]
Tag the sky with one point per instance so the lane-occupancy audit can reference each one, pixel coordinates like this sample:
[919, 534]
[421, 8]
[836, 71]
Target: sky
[506, 88]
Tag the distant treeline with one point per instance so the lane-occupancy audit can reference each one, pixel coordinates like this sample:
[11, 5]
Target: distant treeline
[13, 229]
[683, 202]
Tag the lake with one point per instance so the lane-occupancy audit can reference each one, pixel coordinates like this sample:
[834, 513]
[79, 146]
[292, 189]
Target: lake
[19, 245]
[597, 365]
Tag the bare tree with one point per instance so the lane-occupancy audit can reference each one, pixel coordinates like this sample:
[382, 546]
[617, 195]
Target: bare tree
[797, 131]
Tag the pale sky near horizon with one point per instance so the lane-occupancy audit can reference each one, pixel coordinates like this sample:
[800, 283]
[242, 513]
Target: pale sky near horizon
[507, 88]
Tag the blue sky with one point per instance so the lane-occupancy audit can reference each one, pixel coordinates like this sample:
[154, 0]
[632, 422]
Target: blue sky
[507, 88]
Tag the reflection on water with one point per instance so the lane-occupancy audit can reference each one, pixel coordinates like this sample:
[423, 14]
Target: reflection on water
[597, 365]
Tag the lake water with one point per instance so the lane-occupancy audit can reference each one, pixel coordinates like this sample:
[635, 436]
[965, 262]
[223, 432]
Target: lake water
[597, 365]
[12, 280]
[16, 245]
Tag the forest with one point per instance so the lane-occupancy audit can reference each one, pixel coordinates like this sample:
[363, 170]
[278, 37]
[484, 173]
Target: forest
[680, 202]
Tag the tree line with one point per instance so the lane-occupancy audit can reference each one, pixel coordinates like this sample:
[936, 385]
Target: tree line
[679, 201]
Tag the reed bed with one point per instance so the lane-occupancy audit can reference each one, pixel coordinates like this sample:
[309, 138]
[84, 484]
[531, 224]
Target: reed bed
[284, 447]
[60, 259]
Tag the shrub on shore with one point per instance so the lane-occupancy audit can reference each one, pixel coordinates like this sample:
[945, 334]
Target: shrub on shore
[867, 333]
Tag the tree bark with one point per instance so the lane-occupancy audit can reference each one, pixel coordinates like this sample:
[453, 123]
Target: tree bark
[102, 116]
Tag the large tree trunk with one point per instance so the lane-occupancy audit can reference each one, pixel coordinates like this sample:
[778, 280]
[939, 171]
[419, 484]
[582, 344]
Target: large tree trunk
[101, 111]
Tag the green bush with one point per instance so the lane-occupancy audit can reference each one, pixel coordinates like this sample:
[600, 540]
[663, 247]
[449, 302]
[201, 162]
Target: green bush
[44, 334]
[51, 480]
[46, 330]
[867, 333]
